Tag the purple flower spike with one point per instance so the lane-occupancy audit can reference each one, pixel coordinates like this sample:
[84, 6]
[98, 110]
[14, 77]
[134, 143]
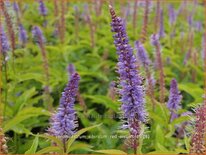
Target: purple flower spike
[198, 137]
[174, 99]
[22, 34]
[37, 34]
[190, 19]
[16, 7]
[161, 30]
[154, 39]
[71, 69]
[198, 26]
[42, 8]
[172, 15]
[4, 41]
[142, 54]
[64, 122]
[131, 91]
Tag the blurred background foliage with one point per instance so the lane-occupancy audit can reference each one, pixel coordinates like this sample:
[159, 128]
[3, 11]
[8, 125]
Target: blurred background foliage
[25, 113]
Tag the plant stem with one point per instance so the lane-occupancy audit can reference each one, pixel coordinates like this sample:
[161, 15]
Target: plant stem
[6, 90]
[135, 16]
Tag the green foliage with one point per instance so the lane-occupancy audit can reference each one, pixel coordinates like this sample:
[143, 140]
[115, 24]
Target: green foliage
[25, 112]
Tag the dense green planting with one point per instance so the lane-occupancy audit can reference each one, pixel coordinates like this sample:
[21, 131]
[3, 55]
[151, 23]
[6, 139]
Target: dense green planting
[88, 45]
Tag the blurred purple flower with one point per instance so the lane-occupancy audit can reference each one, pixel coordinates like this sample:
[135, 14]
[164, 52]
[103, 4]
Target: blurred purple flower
[154, 39]
[16, 7]
[187, 57]
[64, 121]
[203, 52]
[175, 98]
[198, 26]
[172, 14]
[127, 11]
[142, 54]
[22, 34]
[38, 35]
[190, 19]
[182, 127]
[42, 8]
[161, 30]
[71, 69]
[4, 40]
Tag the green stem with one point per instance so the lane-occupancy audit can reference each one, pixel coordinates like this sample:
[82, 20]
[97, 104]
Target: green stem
[6, 90]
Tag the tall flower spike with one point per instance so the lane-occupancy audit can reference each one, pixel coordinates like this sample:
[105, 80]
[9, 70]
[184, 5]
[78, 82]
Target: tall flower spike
[155, 42]
[42, 8]
[198, 144]
[135, 16]
[38, 35]
[142, 54]
[161, 29]
[130, 81]
[71, 69]
[172, 15]
[16, 7]
[198, 25]
[145, 21]
[144, 59]
[64, 121]
[9, 24]
[131, 91]
[22, 35]
[175, 98]
[4, 41]
[39, 38]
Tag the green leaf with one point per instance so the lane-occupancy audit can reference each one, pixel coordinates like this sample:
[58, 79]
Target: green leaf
[104, 100]
[78, 146]
[180, 150]
[196, 90]
[20, 129]
[161, 147]
[180, 120]
[110, 151]
[49, 149]
[187, 142]
[157, 118]
[159, 135]
[34, 146]
[23, 99]
[30, 76]
[54, 139]
[23, 115]
[76, 135]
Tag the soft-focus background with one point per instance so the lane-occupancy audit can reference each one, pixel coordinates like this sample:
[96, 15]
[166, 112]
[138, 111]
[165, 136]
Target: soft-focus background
[79, 33]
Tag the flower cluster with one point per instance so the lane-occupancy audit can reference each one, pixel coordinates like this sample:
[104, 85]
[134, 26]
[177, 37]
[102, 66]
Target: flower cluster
[4, 40]
[38, 35]
[63, 123]
[142, 54]
[198, 143]
[161, 29]
[71, 69]
[175, 98]
[131, 91]
[42, 8]
[22, 34]
[172, 15]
